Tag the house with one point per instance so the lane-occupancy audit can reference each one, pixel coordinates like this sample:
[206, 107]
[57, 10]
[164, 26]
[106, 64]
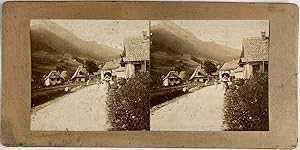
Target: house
[199, 75]
[114, 68]
[228, 69]
[80, 75]
[136, 55]
[53, 78]
[64, 75]
[254, 57]
[172, 78]
[182, 74]
[119, 72]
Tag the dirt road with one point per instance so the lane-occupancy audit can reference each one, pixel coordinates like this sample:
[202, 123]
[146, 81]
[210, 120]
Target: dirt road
[83, 110]
[197, 111]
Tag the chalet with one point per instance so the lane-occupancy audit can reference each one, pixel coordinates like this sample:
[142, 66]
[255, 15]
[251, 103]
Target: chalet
[114, 68]
[254, 57]
[199, 75]
[80, 75]
[120, 72]
[172, 78]
[228, 69]
[136, 55]
[53, 78]
[64, 75]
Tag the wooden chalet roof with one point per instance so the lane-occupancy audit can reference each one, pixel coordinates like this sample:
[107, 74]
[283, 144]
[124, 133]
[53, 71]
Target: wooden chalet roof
[110, 65]
[239, 69]
[53, 75]
[172, 75]
[196, 74]
[136, 49]
[63, 74]
[255, 49]
[230, 65]
[120, 69]
[80, 73]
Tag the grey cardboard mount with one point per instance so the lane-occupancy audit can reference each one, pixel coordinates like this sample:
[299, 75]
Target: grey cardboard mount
[16, 69]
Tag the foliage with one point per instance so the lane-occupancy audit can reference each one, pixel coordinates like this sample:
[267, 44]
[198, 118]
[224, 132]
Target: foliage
[78, 59]
[155, 79]
[91, 67]
[246, 108]
[128, 106]
[196, 60]
[209, 67]
[180, 66]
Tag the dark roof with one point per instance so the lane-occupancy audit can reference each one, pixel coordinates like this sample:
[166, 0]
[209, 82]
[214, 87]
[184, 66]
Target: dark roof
[196, 74]
[110, 65]
[136, 49]
[172, 75]
[230, 65]
[255, 49]
[53, 75]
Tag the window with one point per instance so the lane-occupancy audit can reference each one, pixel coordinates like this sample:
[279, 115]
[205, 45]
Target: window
[138, 67]
[255, 69]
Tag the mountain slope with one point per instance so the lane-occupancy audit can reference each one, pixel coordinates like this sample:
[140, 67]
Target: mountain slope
[171, 43]
[53, 47]
[64, 41]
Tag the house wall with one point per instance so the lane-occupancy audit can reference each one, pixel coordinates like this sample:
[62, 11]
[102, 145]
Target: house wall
[248, 70]
[49, 81]
[166, 82]
[144, 65]
[239, 75]
[79, 79]
[129, 70]
[120, 74]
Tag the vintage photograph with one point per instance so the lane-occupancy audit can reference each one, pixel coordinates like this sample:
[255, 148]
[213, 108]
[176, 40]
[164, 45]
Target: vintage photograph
[90, 75]
[209, 75]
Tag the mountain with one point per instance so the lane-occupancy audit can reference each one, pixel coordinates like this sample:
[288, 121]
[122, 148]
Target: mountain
[171, 43]
[54, 47]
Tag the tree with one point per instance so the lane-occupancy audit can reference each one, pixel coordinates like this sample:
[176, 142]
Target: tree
[91, 67]
[180, 66]
[209, 67]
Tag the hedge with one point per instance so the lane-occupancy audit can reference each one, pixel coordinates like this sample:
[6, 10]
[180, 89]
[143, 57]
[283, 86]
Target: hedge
[128, 106]
[246, 108]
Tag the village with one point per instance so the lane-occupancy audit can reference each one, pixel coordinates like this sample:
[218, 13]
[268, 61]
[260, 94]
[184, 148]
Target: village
[157, 81]
[111, 76]
[206, 89]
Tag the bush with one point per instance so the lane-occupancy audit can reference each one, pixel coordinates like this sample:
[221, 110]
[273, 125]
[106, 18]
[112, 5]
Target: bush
[128, 106]
[246, 108]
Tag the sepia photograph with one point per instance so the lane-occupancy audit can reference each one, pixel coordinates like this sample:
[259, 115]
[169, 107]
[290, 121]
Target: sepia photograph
[90, 75]
[209, 75]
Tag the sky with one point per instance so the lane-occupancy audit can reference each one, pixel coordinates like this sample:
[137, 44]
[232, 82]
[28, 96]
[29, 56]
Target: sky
[225, 32]
[105, 32]
[112, 32]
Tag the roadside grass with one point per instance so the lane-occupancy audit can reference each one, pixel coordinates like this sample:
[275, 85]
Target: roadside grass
[246, 108]
[41, 96]
[162, 97]
[128, 106]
